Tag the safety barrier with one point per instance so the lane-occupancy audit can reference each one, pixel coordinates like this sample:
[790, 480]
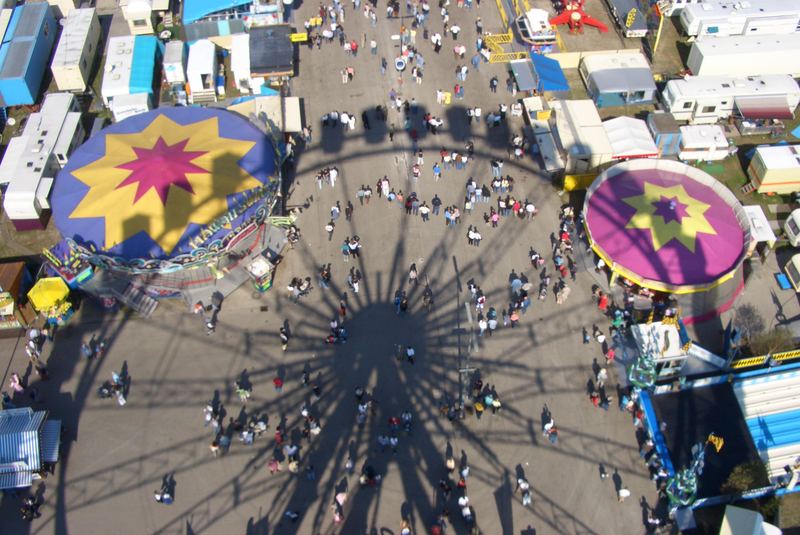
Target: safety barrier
[761, 360]
[499, 55]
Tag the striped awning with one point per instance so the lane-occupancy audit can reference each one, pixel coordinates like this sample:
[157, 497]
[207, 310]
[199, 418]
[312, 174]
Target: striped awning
[766, 107]
[50, 441]
[15, 480]
[19, 436]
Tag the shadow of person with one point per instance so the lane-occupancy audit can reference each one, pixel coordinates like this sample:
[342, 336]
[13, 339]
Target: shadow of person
[617, 479]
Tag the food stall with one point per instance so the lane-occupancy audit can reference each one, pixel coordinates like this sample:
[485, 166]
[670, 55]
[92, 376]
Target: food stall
[14, 316]
[261, 270]
[50, 297]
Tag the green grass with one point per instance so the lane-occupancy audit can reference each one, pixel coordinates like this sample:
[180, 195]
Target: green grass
[790, 511]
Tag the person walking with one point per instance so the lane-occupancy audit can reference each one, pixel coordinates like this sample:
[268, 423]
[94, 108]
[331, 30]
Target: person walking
[601, 377]
[412, 275]
[329, 229]
[424, 211]
[284, 334]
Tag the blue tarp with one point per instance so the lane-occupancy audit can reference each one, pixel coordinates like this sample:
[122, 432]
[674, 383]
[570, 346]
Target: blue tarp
[549, 76]
[143, 64]
[194, 10]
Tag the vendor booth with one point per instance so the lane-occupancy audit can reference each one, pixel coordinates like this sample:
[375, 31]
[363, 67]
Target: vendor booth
[548, 75]
[15, 314]
[630, 138]
[261, 271]
[50, 297]
[29, 446]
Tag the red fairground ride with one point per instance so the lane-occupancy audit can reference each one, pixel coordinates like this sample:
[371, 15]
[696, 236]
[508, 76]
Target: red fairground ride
[575, 17]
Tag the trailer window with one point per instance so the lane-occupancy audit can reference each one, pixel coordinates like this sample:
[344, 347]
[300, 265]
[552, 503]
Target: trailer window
[793, 226]
[687, 105]
[709, 109]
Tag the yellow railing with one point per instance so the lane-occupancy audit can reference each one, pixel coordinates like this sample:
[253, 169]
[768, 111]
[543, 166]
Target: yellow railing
[494, 40]
[505, 57]
[499, 55]
[559, 41]
[759, 361]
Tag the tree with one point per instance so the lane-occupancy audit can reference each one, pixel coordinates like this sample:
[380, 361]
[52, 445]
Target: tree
[771, 342]
[749, 321]
[744, 477]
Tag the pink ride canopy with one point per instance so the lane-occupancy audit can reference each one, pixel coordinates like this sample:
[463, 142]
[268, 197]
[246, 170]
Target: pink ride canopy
[666, 225]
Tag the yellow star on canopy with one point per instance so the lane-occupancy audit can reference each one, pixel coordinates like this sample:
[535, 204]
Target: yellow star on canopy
[669, 213]
[163, 206]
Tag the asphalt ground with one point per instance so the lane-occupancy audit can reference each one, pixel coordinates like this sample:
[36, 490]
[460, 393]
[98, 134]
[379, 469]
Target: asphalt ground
[115, 457]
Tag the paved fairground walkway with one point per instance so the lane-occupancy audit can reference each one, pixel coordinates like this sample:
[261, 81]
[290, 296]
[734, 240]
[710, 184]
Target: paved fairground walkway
[116, 457]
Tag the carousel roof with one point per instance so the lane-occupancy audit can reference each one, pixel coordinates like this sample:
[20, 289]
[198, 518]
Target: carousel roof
[666, 225]
[152, 185]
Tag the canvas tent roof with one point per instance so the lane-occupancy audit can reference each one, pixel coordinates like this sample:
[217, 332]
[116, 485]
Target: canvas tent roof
[623, 80]
[630, 138]
[284, 112]
[522, 69]
[240, 53]
[548, 74]
[580, 130]
[271, 50]
[202, 57]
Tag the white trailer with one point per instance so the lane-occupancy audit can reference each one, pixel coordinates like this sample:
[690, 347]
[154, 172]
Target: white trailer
[745, 55]
[708, 99]
[673, 7]
[175, 62]
[703, 142]
[744, 17]
[201, 72]
[33, 159]
[76, 51]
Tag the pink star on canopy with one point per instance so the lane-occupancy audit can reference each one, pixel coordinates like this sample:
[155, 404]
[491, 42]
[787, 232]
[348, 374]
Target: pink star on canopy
[160, 167]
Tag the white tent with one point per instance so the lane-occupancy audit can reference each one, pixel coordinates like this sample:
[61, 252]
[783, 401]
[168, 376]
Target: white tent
[283, 112]
[630, 138]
